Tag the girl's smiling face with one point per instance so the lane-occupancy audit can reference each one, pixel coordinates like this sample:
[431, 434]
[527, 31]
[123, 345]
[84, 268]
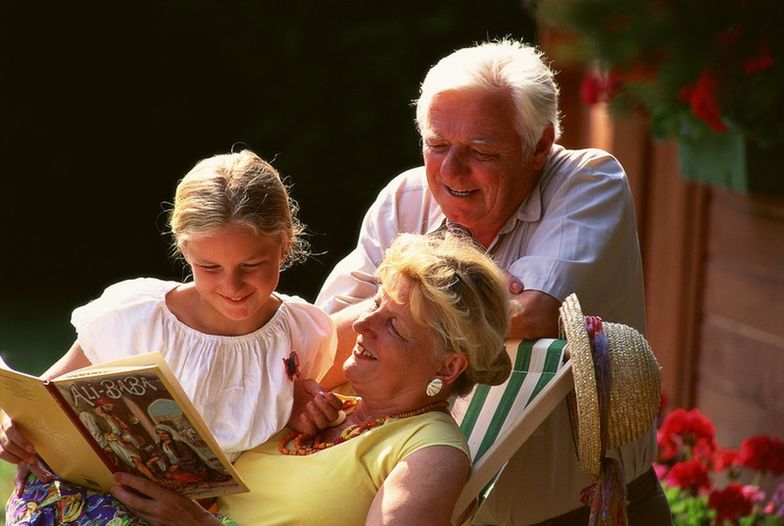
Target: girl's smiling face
[235, 272]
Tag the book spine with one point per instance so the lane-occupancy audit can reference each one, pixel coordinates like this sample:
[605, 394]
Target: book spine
[68, 410]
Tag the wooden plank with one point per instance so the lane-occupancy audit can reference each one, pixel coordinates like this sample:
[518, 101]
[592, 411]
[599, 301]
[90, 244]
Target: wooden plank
[737, 418]
[672, 255]
[630, 145]
[751, 300]
[742, 363]
[747, 236]
[752, 204]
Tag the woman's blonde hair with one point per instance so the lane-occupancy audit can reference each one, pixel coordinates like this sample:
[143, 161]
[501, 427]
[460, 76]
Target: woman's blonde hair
[236, 188]
[458, 292]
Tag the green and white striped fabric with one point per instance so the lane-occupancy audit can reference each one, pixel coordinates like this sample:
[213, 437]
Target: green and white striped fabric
[497, 420]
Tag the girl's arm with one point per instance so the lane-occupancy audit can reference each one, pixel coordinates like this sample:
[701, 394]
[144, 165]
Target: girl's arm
[422, 489]
[70, 361]
[159, 506]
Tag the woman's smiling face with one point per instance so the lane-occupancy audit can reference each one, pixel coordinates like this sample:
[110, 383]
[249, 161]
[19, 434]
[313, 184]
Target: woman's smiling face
[395, 357]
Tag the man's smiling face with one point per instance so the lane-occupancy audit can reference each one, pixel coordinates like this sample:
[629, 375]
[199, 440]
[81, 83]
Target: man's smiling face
[474, 160]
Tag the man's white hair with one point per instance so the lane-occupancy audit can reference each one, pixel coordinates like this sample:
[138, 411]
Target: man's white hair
[503, 65]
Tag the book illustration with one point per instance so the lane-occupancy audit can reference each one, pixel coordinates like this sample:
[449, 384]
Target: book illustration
[135, 420]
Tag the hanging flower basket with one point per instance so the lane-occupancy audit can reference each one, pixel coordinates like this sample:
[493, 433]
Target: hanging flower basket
[729, 160]
[708, 75]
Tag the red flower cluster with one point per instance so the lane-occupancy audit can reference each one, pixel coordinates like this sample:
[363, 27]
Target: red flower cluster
[726, 459]
[732, 503]
[763, 453]
[723, 74]
[686, 434]
[595, 88]
[687, 453]
[690, 475]
[701, 96]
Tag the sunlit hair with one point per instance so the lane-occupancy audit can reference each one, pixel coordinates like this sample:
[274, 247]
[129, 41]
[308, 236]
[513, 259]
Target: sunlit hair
[506, 66]
[459, 293]
[236, 189]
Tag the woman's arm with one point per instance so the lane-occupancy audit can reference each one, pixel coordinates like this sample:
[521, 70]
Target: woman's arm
[422, 489]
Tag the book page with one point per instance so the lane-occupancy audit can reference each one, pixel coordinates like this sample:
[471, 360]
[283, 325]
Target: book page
[58, 442]
[148, 427]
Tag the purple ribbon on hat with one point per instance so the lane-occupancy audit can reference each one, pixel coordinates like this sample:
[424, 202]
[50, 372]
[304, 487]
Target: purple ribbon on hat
[607, 495]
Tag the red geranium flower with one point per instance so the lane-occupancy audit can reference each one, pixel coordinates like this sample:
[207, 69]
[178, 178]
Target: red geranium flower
[725, 459]
[704, 104]
[591, 89]
[690, 475]
[761, 61]
[686, 434]
[595, 88]
[763, 453]
[731, 503]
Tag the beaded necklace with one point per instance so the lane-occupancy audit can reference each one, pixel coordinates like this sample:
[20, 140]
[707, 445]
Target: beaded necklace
[307, 445]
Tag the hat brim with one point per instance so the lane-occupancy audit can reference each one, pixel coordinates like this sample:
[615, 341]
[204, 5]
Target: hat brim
[584, 403]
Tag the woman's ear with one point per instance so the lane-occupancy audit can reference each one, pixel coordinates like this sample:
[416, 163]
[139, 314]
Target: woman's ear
[452, 366]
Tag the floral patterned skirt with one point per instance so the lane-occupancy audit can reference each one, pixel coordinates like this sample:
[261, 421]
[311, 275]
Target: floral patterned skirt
[60, 502]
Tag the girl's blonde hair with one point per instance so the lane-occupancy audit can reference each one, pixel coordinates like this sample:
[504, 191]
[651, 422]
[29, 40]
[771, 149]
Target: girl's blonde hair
[236, 188]
[458, 292]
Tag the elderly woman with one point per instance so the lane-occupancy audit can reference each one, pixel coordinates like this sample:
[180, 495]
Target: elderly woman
[437, 327]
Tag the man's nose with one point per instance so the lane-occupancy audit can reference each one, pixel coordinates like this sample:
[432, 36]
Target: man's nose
[455, 163]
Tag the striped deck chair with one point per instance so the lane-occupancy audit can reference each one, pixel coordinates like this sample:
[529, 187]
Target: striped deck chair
[498, 420]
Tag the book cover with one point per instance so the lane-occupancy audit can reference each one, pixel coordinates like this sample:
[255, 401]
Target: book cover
[127, 415]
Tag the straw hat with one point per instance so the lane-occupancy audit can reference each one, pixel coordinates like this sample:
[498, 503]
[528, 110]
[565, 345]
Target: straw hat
[634, 391]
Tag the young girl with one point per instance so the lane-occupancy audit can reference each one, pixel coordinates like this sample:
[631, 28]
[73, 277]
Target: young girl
[232, 341]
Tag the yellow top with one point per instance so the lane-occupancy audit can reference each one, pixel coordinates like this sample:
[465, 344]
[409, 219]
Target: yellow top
[337, 485]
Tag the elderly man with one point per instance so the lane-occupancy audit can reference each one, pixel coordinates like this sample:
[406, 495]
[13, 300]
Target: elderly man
[559, 221]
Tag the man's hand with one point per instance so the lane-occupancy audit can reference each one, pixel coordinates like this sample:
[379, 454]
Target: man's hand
[514, 284]
[533, 314]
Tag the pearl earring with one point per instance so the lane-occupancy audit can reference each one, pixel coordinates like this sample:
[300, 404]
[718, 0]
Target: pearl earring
[434, 387]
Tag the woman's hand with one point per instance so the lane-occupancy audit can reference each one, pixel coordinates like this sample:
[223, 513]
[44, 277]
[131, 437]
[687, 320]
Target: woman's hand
[157, 505]
[314, 409]
[16, 449]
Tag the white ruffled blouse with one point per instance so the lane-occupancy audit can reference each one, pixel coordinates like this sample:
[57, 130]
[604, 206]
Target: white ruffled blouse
[238, 383]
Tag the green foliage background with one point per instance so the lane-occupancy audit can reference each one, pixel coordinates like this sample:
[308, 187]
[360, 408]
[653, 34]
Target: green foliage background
[106, 105]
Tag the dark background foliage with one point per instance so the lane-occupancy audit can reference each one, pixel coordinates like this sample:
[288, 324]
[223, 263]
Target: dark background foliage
[105, 105]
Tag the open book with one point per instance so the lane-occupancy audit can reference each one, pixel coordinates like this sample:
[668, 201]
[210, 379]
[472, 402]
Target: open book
[127, 415]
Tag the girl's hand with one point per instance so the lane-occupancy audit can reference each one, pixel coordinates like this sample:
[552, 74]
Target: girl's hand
[314, 409]
[158, 505]
[16, 449]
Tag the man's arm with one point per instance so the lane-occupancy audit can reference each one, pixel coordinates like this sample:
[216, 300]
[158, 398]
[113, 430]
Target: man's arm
[533, 315]
[344, 321]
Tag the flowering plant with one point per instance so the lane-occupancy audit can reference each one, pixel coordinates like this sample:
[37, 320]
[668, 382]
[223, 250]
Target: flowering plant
[692, 68]
[690, 460]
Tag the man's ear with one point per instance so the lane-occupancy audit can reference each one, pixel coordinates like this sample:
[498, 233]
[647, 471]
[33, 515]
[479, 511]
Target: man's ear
[452, 367]
[543, 146]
